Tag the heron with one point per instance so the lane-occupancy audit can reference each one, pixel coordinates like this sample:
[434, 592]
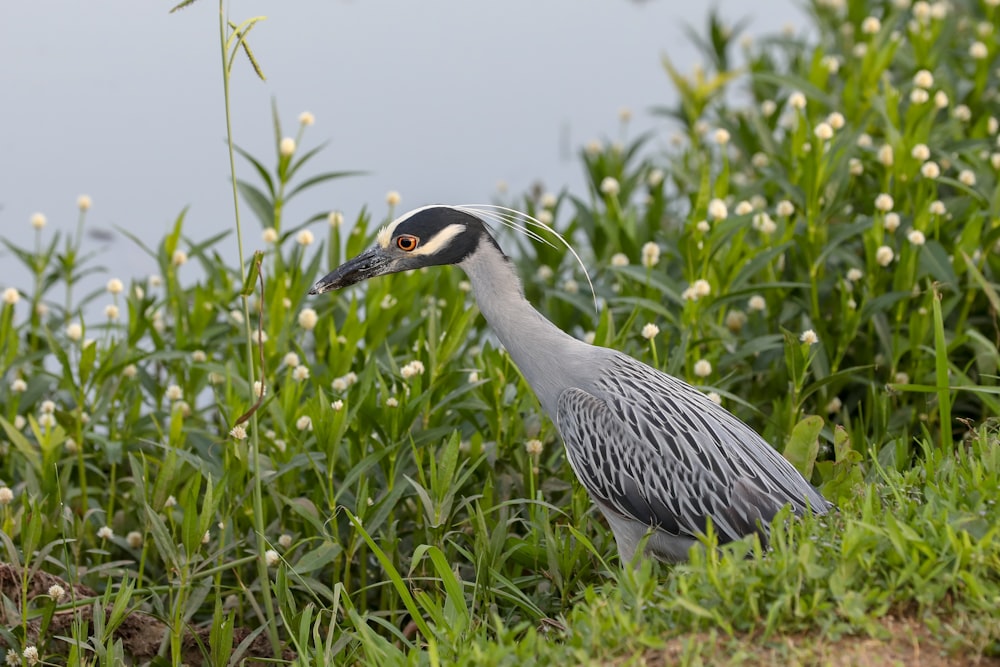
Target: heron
[659, 459]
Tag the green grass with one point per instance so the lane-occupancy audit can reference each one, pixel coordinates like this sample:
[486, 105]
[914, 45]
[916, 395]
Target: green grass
[372, 509]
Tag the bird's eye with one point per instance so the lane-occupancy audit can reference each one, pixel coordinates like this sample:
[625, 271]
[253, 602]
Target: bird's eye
[407, 243]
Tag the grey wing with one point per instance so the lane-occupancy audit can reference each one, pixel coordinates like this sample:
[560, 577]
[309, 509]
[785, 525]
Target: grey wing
[655, 449]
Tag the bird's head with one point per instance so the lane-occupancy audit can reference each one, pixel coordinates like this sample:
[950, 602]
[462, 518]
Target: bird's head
[428, 236]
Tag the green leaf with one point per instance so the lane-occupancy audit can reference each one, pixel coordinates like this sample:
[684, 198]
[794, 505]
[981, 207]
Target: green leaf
[803, 444]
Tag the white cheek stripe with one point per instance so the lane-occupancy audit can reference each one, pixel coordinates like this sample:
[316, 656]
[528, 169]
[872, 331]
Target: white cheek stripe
[439, 240]
[385, 234]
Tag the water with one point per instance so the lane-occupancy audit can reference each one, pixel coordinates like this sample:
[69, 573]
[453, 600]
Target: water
[438, 100]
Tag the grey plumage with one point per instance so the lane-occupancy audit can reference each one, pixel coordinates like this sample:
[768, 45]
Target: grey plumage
[653, 452]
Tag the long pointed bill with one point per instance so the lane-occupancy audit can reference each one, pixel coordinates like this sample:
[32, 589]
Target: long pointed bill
[372, 262]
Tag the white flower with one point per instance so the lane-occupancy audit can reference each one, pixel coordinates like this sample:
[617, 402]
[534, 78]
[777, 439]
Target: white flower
[111, 311]
[735, 319]
[56, 592]
[885, 155]
[760, 160]
[717, 209]
[115, 286]
[884, 255]
[831, 63]
[18, 386]
[836, 121]
[392, 402]
[763, 223]
[930, 169]
[259, 389]
[967, 177]
[47, 407]
[610, 186]
[809, 337]
[797, 100]
[199, 356]
[834, 405]
[38, 220]
[902, 378]
[757, 303]
[703, 226]
[571, 286]
[286, 147]
[702, 368]
[937, 207]
[46, 420]
[134, 539]
[83, 202]
[259, 337]
[916, 237]
[921, 152]
[174, 393]
[544, 216]
[392, 198]
[654, 178]
[619, 259]
[337, 405]
[871, 25]
[767, 108]
[130, 371]
[19, 422]
[864, 140]
[696, 290]
[335, 219]
[823, 131]
[179, 258]
[884, 202]
[31, 655]
[721, 136]
[6, 495]
[714, 397]
[923, 79]
[919, 96]
[589, 337]
[978, 51]
[650, 254]
[650, 331]
[415, 367]
[238, 432]
[995, 160]
[285, 541]
[304, 237]
[743, 208]
[941, 99]
[534, 447]
[272, 558]
[74, 332]
[105, 532]
[306, 118]
[169, 502]
[855, 167]
[962, 113]
[891, 222]
[308, 319]
[992, 124]
[300, 373]
[11, 296]
[304, 423]
[270, 235]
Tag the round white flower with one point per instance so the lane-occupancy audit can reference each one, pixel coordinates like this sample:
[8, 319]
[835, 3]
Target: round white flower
[337, 405]
[111, 311]
[650, 331]
[610, 186]
[941, 99]
[923, 79]
[650, 254]
[823, 131]
[174, 393]
[921, 152]
[836, 120]
[743, 208]
[308, 319]
[978, 51]
[962, 113]
[56, 592]
[304, 237]
[855, 167]
[703, 226]
[300, 373]
[797, 100]
[767, 108]
[619, 259]
[717, 209]
[105, 532]
[919, 96]
[930, 169]
[18, 386]
[286, 147]
[130, 371]
[238, 432]
[335, 219]
[721, 136]
[304, 423]
[392, 198]
[306, 118]
[884, 255]
[916, 237]
[270, 235]
[885, 155]
[967, 177]
[259, 389]
[74, 332]
[757, 303]
[534, 447]
[6, 495]
[179, 258]
[134, 539]
[702, 368]
[115, 286]
[884, 202]
[272, 558]
[871, 25]
[809, 337]
[571, 286]
[834, 405]
[38, 220]
[854, 274]
[937, 207]
[654, 178]
[392, 402]
[784, 208]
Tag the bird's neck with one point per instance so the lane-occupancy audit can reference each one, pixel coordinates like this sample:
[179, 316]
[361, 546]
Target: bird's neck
[537, 346]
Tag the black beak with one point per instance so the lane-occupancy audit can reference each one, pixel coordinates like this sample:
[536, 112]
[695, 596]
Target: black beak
[372, 262]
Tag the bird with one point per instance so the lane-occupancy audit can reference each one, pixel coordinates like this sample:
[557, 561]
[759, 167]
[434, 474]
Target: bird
[659, 459]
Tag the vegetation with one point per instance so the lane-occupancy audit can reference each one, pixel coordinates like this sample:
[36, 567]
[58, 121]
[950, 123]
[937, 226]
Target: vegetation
[821, 256]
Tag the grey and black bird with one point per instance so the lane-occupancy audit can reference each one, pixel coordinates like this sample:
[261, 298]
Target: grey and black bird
[654, 453]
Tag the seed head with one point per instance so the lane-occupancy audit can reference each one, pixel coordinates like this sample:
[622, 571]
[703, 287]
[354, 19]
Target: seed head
[270, 235]
[871, 25]
[978, 50]
[308, 319]
[967, 177]
[650, 331]
[287, 147]
[74, 332]
[809, 337]
[392, 198]
[757, 303]
[916, 237]
[105, 532]
[702, 368]
[306, 119]
[884, 202]
[83, 202]
[304, 423]
[797, 100]
[38, 220]
[717, 209]
[650, 254]
[823, 132]
[610, 186]
[884, 255]
[238, 432]
[11, 296]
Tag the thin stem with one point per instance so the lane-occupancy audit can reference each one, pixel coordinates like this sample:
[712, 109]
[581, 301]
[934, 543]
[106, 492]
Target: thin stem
[258, 513]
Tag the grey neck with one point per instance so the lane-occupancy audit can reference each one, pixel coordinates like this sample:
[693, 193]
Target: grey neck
[545, 355]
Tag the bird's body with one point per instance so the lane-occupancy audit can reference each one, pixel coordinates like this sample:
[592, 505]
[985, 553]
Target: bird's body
[654, 453]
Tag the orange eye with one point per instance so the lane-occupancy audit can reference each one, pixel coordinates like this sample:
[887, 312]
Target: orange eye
[407, 243]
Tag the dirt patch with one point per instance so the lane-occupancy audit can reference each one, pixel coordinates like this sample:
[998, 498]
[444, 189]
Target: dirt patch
[907, 643]
[141, 634]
